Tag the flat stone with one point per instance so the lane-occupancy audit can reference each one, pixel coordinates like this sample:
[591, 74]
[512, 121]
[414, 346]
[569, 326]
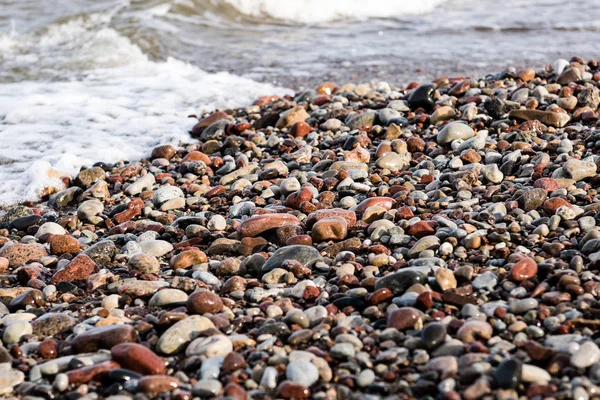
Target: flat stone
[508, 373]
[19, 254]
[52, 324]
[203, 302]
[168, 297]
[306, 255]
[587, 355]
[212, 346]
[579, 169]
[177, 337]
[105, 337]
[156, 248]
[144, 183]
[79, 269]
[330, 228]
[453, 131]
[138, 358]
[532, 199]
[302, 372]
[555, 119]
[405, 318]
[256, 225]
[398, 282]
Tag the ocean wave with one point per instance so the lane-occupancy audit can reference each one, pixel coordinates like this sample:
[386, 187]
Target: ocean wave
[311, 11]
[113, 103]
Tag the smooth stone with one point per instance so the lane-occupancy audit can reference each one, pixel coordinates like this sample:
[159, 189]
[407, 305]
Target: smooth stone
[177, 337]
[143, 183]
[15, 331]
[138, 358]
[398, 282]
[49, 228]
[207, 388]
[156, 248]
[168, 297]
[579, 169]
[508, 373]
[212, 346]
[587, 355]
[105, 337]
[306, 255]
[165, 194]
[302, 372]
[453, 131]
[433, 335]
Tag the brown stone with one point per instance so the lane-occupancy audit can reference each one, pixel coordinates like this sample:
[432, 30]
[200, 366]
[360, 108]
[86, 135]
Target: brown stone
[134, 208]
[28, 272]
[330, 228]
[197, 156]
[445, 279]
[105, 337]
[404, 318]
[537, 352]
[79, 269]
[327, 88]
[349, 216]
[299, 239]
[21, 253]
[548, 184]
[61, 244]
[258, 224]
[379, 296]
[551, 205]
[291, 116]
[156, 384]
[234, 284]
[235, 391]
[405, 213]
[348, 244]
[48, 349]
[187, 258]
[167, 151]
[555, 119]
[138, 358]
[251, 245]
[232, 362]
[89, 176]
[208, 121]
[31, 298]
[473, 330]
[287, 231]
[298, 197]
[292, 390]
[204, 301]
[470, 156]
[421, 229]
[96, 371]
[144, 263]
[524, 270]
[526, 74]
[385, 202]
[300, 129]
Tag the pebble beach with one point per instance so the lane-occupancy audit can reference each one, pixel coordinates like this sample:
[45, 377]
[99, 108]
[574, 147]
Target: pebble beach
[433, 240]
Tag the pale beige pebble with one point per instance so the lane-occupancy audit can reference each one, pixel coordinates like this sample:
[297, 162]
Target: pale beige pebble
[473, 330]
[445, 279]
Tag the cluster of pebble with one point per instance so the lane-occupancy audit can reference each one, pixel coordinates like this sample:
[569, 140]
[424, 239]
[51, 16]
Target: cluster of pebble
[359, 241]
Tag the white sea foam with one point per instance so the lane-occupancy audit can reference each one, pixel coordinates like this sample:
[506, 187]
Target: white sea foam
[316, 11]
[117, 105]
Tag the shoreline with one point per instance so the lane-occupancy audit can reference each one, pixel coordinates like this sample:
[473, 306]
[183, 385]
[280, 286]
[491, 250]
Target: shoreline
[358, 241]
